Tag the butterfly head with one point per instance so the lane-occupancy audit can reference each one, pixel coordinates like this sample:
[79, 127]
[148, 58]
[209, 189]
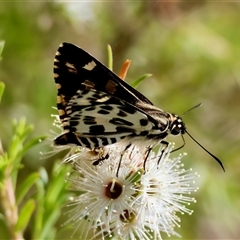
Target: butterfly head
[177, 125]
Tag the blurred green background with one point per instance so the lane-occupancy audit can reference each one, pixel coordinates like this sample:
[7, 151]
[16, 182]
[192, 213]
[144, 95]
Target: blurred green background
[191, 48]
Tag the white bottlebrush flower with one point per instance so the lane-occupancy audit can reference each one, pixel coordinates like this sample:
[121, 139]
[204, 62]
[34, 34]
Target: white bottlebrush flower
[129, 202]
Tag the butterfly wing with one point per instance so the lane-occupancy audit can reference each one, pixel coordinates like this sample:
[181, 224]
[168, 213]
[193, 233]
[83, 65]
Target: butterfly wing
[75, 69]
[96, 119]
[83, 82]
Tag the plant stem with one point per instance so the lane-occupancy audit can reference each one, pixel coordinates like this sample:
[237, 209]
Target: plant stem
[8, 202]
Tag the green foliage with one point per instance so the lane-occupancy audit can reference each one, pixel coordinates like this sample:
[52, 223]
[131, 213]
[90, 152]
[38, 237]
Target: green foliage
[1, 48]
[110, 57]
[43, 207]
[138, 81]
[2, 86]
[27, 184]
[50, 200]
[25, 215]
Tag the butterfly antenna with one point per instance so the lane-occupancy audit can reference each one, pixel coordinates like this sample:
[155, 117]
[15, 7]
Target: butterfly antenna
[198, 105]
[217, 159]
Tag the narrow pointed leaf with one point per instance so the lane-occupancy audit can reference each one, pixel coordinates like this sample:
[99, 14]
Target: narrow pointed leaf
[137, 82]
[30, 144]
[110, 57]
[25, 215]
[25, 186]
[2, 87]
[1, 48]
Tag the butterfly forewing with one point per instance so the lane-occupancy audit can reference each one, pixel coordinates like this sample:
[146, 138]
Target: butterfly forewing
[94, 114]
[76, 69]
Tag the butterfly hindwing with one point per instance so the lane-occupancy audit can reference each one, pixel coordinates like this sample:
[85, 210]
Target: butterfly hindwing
[101, 119]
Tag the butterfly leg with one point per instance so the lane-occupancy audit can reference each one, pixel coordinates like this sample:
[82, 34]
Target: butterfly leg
[149, 149]
[165, 143]
[119, 164]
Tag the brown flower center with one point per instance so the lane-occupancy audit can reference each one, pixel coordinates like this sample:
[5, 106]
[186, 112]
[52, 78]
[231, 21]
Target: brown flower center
[127, 216]
[114, 189]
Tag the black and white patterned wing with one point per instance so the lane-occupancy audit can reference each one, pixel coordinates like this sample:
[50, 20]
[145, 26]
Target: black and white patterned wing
[75, 69]
[73, 66]
[86, 89]
[96, 119]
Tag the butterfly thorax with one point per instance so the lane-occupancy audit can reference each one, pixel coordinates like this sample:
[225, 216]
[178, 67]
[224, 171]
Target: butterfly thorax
[165, 124]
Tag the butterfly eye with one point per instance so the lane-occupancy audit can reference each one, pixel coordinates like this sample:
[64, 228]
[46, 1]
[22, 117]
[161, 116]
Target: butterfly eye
[175, 130]
[177, 127]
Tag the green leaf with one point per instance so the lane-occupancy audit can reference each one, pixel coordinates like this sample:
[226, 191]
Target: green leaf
[21, 132]
[57, 186]
[50, 201]
[30, 144]
[1, 48]
[25, 186]
[49, 224]
[25, 215]
[44, 175]
[137, 82]
[40, 210]
[110, 57]
[18, 147]
[2, 87]
[22, 129]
